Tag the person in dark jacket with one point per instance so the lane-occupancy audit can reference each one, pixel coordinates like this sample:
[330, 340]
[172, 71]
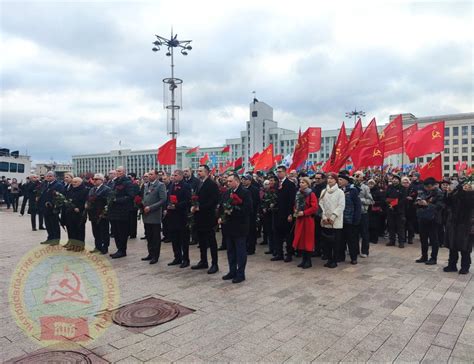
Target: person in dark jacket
[319, 185]
[236, 211]
[194, 183]
[32, 193]
[118, 211]
[73, 216]
[50, 208]
[286, 193]
[376, 210]
[132, 232]
[179, 203]
[444, 186]
[429, 205]
[460, 227]
[247, 182]
[352, 215]
[204, 207]
[396, 200]
[95, 206]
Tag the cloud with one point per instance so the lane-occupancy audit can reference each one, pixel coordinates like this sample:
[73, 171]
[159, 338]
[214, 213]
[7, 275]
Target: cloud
[80, 77]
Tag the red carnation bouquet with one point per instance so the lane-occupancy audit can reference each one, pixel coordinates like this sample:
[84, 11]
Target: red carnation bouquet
[194, 203]
[138, 202]
[173, 199]
[233, 203]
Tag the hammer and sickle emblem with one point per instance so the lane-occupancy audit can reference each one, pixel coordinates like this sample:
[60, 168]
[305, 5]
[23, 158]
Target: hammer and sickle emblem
[70, 291]
[382, 135]
[377, 153]
[435, 134]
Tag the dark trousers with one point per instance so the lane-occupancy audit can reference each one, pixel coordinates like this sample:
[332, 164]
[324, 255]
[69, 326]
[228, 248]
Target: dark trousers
[465, 258]
[100, 230]
[364, 234]
[180, 244]
[350, 238]
[153, 237]
[428, 236]
[252, 236]
[268, 231]
[441, 234]
[133, 223]
[237, 255]
[281, 236]
[33, 220]
[52, 226]
[318, 241]
[207, 239]
[375, 219]
[331, 239]
[166, 234]
[120, 231]
[410, 229]
[15, 198]
[396, 227]
[76, 232]
[224, 240]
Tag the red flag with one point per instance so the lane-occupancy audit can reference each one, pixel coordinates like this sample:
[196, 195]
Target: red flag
[337, 150]
[238, 164]
[226, 167]
[192, 152]
[314, 139]
[301, 151]
[369, 139]
[406, 134]
[392, 137]
[213, 171]
[167, 153]
[265, 160]
[368, 156]
[356, 133]
[428, 140]
[204, 159]
[461, 166]
[277, 159]
[226, 149]
[432, 169]
[254, 158]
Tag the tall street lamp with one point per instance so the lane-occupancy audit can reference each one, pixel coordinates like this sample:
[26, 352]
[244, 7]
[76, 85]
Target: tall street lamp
[355, 114]
[174, 85]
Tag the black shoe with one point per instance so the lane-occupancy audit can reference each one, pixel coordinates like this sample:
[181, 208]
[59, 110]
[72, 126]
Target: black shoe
[288, 259]
[45, 242]
[301, 264]
[175, 262]
[421, 260]
[227, 277]
[332, 265]
[133, 237]
[464, 270]
[410, 242]
[118, 255]
[276, 258]
[143, 238]
[221, 248]
[42, 228]
[450, 268]
[238, 280]
[268, 252]
[431, 262]
[390, 244]
[263, 243]
[354, 262]
[251, 253]
[34, 229]
[307, 264]
[200, 265]
[193, 243]
[401, 246]
[323, 257]
[184, 264]
[214, 269]
[148, 257]
[104, 251]
[154, 261]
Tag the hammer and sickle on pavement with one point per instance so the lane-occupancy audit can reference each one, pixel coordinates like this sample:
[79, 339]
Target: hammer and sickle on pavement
[71, 293]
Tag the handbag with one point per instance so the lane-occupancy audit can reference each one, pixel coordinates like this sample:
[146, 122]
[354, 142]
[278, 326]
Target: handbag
[329, 235]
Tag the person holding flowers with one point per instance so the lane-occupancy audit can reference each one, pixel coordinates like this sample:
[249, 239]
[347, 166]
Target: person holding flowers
[73, 214]
[95, 207]
[306, 206]
[46, 205]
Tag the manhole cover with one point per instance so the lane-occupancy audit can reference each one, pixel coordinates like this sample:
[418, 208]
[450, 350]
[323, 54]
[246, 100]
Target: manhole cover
[59, 356]
[145, 313]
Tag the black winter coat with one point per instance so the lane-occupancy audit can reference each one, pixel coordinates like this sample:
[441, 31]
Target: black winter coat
[286, 194]
[78, 197]
[237, 223]
[460, 224]
[46, 200]
[176, 219]
[122, 204]
[205, 219]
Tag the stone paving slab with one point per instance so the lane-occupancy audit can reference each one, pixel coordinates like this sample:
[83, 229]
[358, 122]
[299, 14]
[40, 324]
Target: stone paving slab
[385, 309]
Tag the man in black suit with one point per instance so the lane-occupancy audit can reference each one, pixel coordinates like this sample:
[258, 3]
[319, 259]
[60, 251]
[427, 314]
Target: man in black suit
[119, 208]
[134, 211]
[32, 191]
[48, 206]
[248, 183]
[194, 183]
[286, 194]
[205, 219]
[179, 202]
[95, 205]
[236, 227]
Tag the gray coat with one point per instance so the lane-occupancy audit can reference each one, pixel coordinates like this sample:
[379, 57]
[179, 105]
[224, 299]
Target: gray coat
[154, 196]
[365, 197]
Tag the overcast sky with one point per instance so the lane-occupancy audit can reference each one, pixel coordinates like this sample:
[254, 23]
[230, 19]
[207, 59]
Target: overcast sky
[79, 77]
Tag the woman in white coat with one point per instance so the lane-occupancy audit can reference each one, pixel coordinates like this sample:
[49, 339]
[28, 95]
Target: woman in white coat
[332, 203]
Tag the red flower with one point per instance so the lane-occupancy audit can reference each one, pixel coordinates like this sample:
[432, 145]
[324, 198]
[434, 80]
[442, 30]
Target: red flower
[173, 199]
[195, 198]
[236, 200]
[137, 200]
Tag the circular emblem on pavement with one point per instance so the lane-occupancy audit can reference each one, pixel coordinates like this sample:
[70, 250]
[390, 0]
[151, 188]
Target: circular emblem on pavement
[59, 296]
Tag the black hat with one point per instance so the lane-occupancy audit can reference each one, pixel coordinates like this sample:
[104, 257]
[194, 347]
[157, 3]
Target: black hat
[396, 176]
[248, 177]
[429, 181]
[345, 176]
[445, 180]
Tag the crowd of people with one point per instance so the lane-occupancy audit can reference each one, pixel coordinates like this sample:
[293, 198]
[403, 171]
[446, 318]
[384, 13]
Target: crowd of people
[330, 216]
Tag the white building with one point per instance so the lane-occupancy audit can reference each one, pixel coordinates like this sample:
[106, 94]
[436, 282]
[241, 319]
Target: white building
[18, 167]
[59, 168]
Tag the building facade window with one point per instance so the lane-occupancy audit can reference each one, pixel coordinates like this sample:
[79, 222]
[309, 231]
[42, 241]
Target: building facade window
[446, 131]
[455, 131]
[464, 130]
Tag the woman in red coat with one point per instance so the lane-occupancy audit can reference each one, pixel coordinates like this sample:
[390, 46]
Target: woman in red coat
[306, 207]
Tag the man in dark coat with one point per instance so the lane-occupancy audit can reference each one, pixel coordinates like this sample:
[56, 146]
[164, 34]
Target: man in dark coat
[194, 183]
[460, 227]
[396, 198]
[73, 214]
[236, 211]
[247, 182]
[286, 194]
[48, 206]
[205, 202]
[179, 202]
[429, 205]
[32, 192]
[119, 207]
[318, 186]
[96, 202]
[134, 211]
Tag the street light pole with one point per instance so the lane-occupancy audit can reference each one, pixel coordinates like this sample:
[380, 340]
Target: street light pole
[354, 114]
[173, 84]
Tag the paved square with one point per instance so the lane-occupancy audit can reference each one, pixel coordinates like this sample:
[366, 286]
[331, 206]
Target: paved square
[386, 308]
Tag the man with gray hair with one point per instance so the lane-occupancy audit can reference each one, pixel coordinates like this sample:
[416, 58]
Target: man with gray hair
[95, 206]
[46, 205]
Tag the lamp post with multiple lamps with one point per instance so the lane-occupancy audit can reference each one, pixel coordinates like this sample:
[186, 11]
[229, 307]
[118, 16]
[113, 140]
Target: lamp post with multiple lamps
[355, 114]
[172, 84]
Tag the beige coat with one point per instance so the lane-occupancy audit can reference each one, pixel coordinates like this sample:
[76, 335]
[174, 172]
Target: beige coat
[332, 202]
